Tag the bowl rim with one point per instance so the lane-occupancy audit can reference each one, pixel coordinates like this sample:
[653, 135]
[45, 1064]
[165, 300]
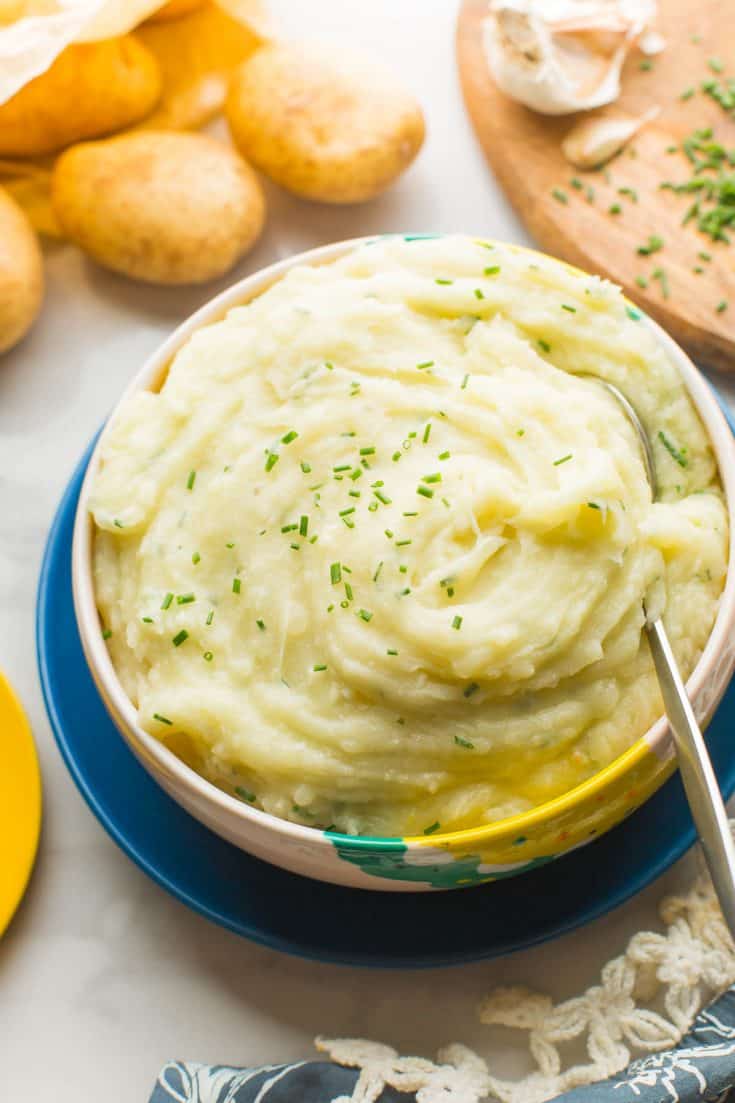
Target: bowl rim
[159, 759]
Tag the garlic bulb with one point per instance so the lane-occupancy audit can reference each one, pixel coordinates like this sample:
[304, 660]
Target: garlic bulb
[559, 56]
[594, 141]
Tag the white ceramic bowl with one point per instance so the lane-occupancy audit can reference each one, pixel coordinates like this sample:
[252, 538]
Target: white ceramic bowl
[443, 861]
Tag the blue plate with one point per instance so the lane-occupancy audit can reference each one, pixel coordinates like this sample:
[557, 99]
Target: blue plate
[300, 916]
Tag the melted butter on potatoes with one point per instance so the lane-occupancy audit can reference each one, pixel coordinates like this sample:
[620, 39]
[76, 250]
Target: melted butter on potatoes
[377, 556]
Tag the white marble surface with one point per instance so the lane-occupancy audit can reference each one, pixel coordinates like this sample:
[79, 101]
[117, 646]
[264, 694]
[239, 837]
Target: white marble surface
[101, 971]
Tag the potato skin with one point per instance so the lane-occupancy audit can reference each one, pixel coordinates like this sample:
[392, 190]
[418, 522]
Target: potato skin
[323, 123]
[159, 206]
[91, 89]
[21, 273]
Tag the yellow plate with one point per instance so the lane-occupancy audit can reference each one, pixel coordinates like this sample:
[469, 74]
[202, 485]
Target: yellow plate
[20, 803]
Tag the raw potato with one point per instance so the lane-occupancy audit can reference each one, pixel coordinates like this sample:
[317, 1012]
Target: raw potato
[323, 123]
[21, 273]
[159, 206]
[91, 89]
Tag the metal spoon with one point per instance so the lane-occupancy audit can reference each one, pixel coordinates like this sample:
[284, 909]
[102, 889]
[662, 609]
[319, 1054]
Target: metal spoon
[695, 765]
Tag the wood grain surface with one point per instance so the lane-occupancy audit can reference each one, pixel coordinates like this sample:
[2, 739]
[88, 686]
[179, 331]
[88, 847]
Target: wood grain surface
[524, 152]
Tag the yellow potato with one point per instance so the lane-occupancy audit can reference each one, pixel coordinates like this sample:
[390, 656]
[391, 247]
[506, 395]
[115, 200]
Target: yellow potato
[91, 89]
[21, 273]
[159, 206]
[324, 123]
[173, 9]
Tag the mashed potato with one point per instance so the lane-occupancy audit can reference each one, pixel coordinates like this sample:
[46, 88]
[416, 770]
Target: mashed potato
[375, 556]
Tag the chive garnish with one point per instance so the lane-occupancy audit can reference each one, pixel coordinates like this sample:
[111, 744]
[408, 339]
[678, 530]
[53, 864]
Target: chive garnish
[425, 491]
[433, 478]
[391, 651]
[389, 533]
[167, 600]
[106, 633]
[261, 624]
[303, 525]
[646, 65]
[686, 95]
[444, 455]
[162, 719]
[444, 282]
[356, 474]
[319, 667]
[653, 245]
[180, 637]
[245, 794]
[402, 543]
[347, 512]
[335, 573]
[147, 620]
[196, 558]
[544, 345]
[433, 827]
[715, 64]
[396, 457]
[289, 436]
[677, 454]
[382, 497]
[354, 493]
[704, 256]
[562, 459]
[364, 614]
[191, 480]
[445, 501]
[571, 309]
[425, 364]
[208, 656]
[305, 467]
[464, 382]
[492, 270]
[594, 505]
[559, 195]
[348, 592]
[236, 585]
[470, 689]
[185, 599]
[478, 293]
[464, 743]
[641, 281]
[635, 315]
[295, 547]
[614, 208]
[369, 451]
[660, 275]
[520, 432]
[342, 467]
[427, 433]
[457, 623]
[410, 513]
[631, 193]
[721, 306]
[271, 460]
[118, 524]
[289, 528]
[378, 569]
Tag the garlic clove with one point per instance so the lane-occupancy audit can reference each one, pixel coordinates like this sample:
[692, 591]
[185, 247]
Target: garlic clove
[560, 56]
[594, 141]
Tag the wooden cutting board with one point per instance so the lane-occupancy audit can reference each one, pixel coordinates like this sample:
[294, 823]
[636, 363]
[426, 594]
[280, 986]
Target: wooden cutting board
[523, 149]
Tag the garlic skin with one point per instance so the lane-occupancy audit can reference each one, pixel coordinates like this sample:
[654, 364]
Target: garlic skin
[593, 141]
[560, 56]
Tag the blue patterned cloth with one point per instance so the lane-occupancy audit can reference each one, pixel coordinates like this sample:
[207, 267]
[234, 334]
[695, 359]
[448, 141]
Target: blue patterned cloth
[701, 1069]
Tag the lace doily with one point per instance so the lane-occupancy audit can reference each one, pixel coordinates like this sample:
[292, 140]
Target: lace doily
[678, 971]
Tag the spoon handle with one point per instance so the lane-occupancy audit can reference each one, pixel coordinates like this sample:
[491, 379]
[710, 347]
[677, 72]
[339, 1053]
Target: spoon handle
[697, 774]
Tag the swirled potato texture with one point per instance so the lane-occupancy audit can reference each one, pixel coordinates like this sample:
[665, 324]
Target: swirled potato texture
[375, 557]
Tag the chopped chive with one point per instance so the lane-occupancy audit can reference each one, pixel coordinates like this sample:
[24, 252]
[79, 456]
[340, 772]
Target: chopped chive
[295, 547]
[185, 599]
[457, 623]
[396, 457]
[470, 689]
[289, 528]
[425, 491]
[261, 624]
[368, 451]
[354, 493]
[715, 64]
[631, 193]
[118, 524]
[272, 459]
[444, 455]
[180, 637]
[544, 345]
[460, 742]
[721, 306]
[410, 513]
[245, 794]
[191, 480]
[445, 502]
[594, 505]
[147, 620]
[576, 183]
[464, 382]
[236, 585]
[433, 478]
[646, 65]
[444, 282]
[425, 364]
[427, 433]
[590, 194]
[382, 497]
[378, 569]
[289, 436]
[342, 467]
[614, 208]
[641, 281]
[347, 512]
[632, 313]
[478, 293]
[520, 432]
[660, 275]
[402, 543]
[492, 270]
[559, 195]
[677, 454]
[433, 827]
[106, 633]
[653, 245]
[403, 568]
[403, 593]
[348, 592]
[571, 309]
[356, 474]
[167, 600]
[210, 616]
[329, 365]
[319, 667]
[389, 533]
[162, 719]
[313, 539]
[686, 94]
[391, 651]
[364, 614]
[208, 656]
[704, 256]
[303, 525]
[305, 467]
[196, 558]
[562, 459]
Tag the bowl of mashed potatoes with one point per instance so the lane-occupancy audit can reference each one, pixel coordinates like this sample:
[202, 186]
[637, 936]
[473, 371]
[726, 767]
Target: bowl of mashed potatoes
[361, 557]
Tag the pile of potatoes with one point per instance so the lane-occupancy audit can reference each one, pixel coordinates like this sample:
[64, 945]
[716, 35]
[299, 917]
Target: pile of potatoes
[175, 207]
